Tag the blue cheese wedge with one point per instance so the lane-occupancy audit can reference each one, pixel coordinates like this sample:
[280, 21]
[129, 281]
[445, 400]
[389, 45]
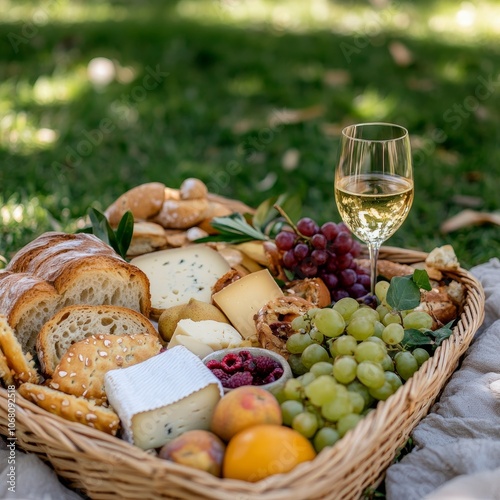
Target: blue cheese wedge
[163, 397]
[179, 274]
[206, 336]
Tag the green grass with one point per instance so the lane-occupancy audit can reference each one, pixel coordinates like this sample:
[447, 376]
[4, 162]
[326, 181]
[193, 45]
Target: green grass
[226, 68]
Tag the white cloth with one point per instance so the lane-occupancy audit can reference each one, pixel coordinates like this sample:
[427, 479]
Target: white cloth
[457, 446]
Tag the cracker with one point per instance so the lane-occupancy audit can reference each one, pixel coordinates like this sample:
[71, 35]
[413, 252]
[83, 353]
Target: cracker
[73, 408]
[82, 369]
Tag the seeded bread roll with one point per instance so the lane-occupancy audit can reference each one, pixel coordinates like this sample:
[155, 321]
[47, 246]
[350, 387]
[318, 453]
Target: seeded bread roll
[66, 269]
[71, 407]
[82, 369]
[73, 323]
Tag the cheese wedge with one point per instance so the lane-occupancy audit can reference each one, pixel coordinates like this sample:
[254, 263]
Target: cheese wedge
[162, 397]
[241, 300]
[204, 337]
[180, 274]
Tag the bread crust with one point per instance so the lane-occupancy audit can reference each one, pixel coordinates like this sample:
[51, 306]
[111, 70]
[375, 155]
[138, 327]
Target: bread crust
[82, 369]
[59, 332]
[73, 408]
[144, 201]
[182, 214]
[21, 364]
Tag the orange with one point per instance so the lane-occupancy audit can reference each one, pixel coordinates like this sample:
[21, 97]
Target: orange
[263, 450]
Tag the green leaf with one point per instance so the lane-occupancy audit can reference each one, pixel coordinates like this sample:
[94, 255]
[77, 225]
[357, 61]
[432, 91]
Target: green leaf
[125, 232]
[442, 333]
[421, 278]
[99, 225]
[403, 293]
[267, 214]
[291, 204]
[236, 224]
[231, 238]
[414, 338]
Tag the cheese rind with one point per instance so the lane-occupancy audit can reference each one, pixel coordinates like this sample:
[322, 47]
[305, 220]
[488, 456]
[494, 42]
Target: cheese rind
[162, 397]
[204, 337]
[179, 274]
[241, 300]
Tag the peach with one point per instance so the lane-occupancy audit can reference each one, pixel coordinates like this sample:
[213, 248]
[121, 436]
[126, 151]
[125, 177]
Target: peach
[199, 449]
[244, 407]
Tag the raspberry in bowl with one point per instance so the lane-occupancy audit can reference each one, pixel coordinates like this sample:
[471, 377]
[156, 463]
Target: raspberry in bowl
[249, 366]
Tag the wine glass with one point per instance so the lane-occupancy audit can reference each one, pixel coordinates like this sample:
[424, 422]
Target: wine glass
[374, 184]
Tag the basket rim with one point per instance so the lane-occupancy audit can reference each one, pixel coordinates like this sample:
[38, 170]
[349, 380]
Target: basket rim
[97, 445]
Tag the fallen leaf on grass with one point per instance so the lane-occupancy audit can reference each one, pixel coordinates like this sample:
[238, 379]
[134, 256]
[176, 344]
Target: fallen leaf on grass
[400, 53]
[469, 218]
[292, 116]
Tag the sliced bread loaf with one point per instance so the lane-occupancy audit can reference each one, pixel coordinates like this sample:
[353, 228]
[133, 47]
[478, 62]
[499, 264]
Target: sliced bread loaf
[74, 323]
[57, 270]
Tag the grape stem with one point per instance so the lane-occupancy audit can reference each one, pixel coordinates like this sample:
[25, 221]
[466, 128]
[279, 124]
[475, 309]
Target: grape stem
[289, 221]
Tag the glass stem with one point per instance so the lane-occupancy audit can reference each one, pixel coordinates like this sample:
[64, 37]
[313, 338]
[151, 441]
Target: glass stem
[373, 249]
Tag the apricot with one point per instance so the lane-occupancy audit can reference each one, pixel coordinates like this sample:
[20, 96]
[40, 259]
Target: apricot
[199, 449]
[244, 407]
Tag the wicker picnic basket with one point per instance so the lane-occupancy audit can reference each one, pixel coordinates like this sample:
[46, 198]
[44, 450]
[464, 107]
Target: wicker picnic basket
[105, 467]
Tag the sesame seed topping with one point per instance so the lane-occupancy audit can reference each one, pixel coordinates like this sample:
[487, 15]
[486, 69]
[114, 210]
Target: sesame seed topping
[72, 374]
[62, 373]
[103, 353]
[90, 416]
[65, 402]
[40, 396]
[107, 343]
[80, 357]
[54, 385]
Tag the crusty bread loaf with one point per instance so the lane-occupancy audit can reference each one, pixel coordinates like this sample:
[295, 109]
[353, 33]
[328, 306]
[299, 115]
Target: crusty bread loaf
[73, 408]
[82, 369]
[74, 323]
[22, 365]
[66, 269]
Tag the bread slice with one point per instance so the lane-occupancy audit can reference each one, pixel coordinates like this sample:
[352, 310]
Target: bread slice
[83, 367]
[58, 269]
[5, 371]
[71, 407]
[74, 323]
[21, 365]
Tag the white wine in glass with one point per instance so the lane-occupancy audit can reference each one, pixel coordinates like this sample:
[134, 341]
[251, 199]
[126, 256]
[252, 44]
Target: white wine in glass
[374, 183]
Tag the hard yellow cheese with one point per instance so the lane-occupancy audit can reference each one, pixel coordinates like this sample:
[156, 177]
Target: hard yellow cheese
[240, 301]
[204, 337]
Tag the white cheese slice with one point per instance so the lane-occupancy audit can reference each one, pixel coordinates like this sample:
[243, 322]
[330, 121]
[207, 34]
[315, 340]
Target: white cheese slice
[241, 300]
[162, 397]
[179, 274]
[204, 337]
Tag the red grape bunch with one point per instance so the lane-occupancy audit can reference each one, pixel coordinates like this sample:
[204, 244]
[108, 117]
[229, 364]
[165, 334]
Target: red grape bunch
[327, 252]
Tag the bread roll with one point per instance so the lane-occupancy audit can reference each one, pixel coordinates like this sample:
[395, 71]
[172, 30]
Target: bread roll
[74, 323]
[59, 269]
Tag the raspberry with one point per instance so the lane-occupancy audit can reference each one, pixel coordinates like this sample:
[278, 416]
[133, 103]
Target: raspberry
[239, 379]
[273, 376]
[213, 363]
[220, 374]
[245, 355]
[231, 363]
[265, 365]
[249, 365]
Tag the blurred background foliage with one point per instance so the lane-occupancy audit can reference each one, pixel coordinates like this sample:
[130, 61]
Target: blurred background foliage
[250, 96]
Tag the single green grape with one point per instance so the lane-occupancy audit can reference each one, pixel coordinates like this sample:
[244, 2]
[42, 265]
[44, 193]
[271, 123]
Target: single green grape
[381, 288]
[421, 355]
[382, 393]
[417, 320]
[406, 364]
[307, 378]
[321, 368]
[336, 408]
[357, 401]
[296, 365]
[301, 323]
[393, 334]
[289, 409]
[370, 351]
[305, 423]
[327, 436]
[348, 422]
[361, 327]
[394, 380]
[293, 389]
[379, 328]
[370, 374]
[346, 307]
[345, 345]
[362, 390]
[316, 335]
[391, 317]
[321, 390]
[365, 312]
[297, 342]
[387, 363]
[312, 354]
[344, 369]
[377, 340]
[329, 322]
[382, 311]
